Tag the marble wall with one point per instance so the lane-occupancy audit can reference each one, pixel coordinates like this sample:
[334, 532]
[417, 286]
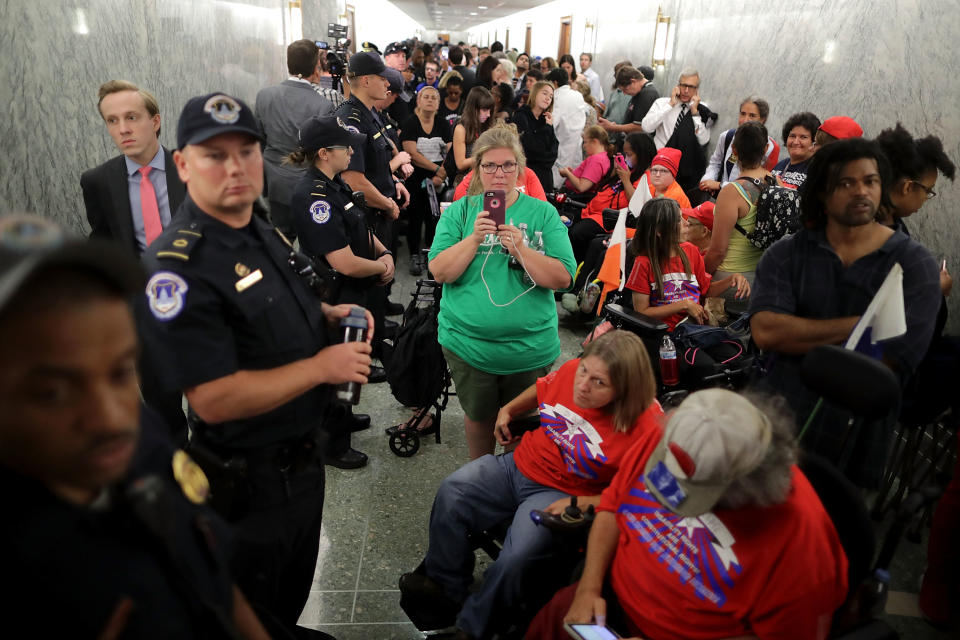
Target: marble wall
[56, 54]
[878, 61]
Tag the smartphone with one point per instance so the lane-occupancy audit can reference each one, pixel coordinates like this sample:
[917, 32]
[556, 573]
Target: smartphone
[322, 44]
[494, 204]
[445, 52]
[590, 632]
[621, 161]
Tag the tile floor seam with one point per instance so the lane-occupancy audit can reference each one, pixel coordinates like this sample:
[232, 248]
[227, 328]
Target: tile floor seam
[363, 548]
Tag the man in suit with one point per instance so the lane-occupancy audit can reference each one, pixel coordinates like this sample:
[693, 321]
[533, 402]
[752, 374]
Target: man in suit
[280, 110]
[131, 198]
[120, 205]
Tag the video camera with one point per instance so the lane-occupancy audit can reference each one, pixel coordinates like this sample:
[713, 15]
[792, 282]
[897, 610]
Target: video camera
[336, 55]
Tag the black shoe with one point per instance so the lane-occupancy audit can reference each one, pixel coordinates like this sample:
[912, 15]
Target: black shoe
[416, 265]
[359, 422]
[350, 459]
[394, 308]
[377, 375]
[425, 602]
[390, 329]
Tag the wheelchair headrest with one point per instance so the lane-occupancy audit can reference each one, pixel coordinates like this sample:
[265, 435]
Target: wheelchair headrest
[854, 381]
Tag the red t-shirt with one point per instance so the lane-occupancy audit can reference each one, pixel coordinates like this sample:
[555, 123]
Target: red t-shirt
[529, 184]
[677, 284]
[593, 168]
[775, 572]
[575, 450]
[610, 197]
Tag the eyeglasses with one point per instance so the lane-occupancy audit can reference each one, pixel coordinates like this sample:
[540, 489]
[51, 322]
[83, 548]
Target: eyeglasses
[692, 87]
[658, 172]
[491, 167]
[930, 192]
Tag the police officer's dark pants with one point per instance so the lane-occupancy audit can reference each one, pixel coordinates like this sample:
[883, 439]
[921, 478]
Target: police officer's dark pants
[278, 538]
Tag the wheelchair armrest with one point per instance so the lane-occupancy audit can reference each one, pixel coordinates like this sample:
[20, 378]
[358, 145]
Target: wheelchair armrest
[623, 316]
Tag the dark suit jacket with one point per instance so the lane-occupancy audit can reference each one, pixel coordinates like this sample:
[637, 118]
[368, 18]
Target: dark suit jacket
[106, 197]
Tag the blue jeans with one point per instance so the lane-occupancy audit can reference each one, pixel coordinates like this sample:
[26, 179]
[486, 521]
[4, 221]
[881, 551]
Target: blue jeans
[477, 496]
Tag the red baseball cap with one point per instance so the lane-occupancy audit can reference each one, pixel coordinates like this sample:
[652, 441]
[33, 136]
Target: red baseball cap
[702, 213]
[842, 127]
[669, 158]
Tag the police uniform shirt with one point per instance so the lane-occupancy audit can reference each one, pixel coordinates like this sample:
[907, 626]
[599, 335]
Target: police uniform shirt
[67, 567]
[222, 300]
[373, 159]
[326, 218]
[390, 126]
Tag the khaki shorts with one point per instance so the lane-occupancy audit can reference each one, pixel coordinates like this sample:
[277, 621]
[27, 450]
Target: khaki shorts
[482, 394]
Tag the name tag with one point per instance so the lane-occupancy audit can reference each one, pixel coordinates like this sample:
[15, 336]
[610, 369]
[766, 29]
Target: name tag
[348, 207]
[245, 283]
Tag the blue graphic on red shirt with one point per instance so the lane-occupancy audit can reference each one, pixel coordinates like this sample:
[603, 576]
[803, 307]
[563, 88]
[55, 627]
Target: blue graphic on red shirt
[677, 287]
[577, 439]
[698, 551]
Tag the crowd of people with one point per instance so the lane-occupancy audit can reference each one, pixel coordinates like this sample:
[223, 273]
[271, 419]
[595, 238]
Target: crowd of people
[226, 271]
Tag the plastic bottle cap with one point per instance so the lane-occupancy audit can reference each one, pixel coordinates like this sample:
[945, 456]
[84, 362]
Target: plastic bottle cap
[357, 319]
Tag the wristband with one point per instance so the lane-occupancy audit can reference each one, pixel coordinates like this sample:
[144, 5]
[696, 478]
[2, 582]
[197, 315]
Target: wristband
[385, 253]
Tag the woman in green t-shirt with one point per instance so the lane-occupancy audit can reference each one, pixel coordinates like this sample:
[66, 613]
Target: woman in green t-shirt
[498, 325]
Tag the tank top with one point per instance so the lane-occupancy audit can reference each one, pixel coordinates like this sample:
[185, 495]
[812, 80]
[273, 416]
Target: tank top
[741, 255]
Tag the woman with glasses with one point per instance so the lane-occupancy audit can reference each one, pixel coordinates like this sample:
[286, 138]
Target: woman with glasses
[662, 177]
[592, 410]
[498, 324]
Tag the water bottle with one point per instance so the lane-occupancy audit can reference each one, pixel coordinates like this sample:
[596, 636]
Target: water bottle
[354, 330]
[514, 263]
[669, 372]
[538, 243]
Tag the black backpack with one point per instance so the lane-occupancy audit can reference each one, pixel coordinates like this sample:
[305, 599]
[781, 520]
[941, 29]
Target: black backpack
[778, 213]
[416, 367]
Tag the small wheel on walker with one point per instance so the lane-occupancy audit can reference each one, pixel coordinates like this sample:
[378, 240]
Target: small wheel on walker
[405, 442]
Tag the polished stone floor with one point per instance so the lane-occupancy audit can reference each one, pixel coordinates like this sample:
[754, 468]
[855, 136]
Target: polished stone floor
[375, 521]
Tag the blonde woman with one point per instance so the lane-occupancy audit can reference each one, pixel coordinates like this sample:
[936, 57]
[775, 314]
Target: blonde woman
[498, 325]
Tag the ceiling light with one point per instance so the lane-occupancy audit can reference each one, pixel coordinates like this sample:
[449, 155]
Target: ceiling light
[481, 7]
[473, 13]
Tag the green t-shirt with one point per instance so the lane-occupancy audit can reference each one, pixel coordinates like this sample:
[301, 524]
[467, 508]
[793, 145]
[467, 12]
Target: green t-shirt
[521, 335]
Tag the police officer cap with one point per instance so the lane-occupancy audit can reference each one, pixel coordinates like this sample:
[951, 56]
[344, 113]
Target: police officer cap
[369, 46]
[207, 116]
[29, 243]
[366, 63]
[395, 47]
[320, 132]
[395, 78]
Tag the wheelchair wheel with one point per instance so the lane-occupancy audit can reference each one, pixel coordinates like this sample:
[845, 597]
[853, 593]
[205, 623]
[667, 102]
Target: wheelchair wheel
[405, 443]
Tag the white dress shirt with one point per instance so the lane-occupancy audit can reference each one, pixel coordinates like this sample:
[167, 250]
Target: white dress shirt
[569, 119]
[662, 119]
[596, 89]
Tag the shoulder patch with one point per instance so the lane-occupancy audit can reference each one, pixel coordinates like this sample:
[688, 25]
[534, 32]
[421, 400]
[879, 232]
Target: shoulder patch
[166, 293]
[320, 211]
[179, 245]
[352, 128]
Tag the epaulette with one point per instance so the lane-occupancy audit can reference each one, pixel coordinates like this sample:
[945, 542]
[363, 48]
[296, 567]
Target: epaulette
[180, 244]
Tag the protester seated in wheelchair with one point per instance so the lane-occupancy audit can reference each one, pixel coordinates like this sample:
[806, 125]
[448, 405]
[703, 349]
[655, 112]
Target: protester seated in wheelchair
[668, 278]
[592, 410]
[709, 530]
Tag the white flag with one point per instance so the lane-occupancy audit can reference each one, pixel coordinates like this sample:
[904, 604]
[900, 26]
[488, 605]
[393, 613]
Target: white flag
[619, 236]
[885, 315]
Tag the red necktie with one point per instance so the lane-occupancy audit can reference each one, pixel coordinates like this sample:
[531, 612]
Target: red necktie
[148, 206]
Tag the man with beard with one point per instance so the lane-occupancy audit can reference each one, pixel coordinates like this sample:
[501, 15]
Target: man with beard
[811, 288]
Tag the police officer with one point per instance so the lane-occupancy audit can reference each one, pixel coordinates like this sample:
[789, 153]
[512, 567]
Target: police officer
[370, 171]
[246, 340]
[334, 230]
[103, 522]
